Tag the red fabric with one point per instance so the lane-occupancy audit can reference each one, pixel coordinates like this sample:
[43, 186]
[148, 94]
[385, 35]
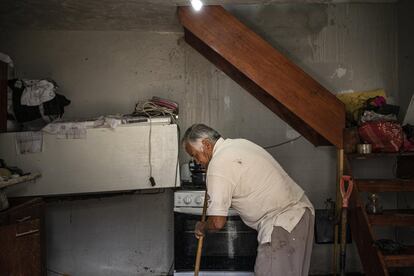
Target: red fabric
[385, 136]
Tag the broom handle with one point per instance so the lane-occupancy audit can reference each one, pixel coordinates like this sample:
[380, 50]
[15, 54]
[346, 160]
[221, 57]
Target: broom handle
[201, 239]
[343, 241]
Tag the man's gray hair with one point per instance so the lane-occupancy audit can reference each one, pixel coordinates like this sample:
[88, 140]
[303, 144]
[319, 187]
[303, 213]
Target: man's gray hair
[197, 133]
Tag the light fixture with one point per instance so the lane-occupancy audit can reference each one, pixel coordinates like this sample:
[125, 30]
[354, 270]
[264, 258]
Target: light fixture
[197, 5]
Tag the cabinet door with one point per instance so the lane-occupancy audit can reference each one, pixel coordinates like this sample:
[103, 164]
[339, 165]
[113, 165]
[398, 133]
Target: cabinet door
[20, 254]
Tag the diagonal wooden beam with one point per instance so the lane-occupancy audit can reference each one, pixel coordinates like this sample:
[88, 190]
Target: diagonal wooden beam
[264, 72]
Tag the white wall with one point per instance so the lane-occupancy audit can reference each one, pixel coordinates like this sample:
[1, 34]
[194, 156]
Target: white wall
[344, 46]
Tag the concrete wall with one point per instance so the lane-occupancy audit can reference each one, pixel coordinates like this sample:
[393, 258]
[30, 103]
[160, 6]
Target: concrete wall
[344, 46]
[120, 235]
[405, 50]
[406, 87]
[106, 73]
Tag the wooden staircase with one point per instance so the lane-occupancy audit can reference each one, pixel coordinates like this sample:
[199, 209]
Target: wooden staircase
[374, 261]
[306, 106]
[264, 72]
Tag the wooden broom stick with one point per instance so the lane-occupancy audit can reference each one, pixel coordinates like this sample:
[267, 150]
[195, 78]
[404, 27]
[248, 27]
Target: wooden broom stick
[201, 239]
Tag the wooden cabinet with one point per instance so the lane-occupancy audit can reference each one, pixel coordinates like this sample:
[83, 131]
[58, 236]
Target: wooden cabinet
[22, 239]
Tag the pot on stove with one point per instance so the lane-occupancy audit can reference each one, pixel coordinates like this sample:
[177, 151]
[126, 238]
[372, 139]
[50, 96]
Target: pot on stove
[198, 173]
[198, 178]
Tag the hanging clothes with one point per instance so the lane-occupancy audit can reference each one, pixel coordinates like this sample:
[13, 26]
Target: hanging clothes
[37, 92]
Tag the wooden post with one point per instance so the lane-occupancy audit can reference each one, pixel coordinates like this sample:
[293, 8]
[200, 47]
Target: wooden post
[340, 172]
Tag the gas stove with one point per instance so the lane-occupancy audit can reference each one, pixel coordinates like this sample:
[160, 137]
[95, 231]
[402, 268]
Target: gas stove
[192, 201]
[189, 198]
[229, 252]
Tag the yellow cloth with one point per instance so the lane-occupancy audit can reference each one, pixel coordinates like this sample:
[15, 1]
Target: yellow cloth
[355, 100]
[5, 172]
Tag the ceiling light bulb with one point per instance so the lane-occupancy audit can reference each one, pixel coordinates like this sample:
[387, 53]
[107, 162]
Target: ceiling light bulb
[197, 4]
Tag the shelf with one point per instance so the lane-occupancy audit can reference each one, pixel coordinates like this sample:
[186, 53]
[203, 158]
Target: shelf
[402, 217]
[379, 155]
[385, 185]
[17, 180]
[405, 258]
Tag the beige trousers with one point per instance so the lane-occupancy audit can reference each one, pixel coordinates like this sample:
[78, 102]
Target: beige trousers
[289, 253]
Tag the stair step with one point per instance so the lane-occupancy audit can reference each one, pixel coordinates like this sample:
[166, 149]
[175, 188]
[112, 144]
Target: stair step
[405, 258]
[393, 217]
[379, 155]
[385, 185]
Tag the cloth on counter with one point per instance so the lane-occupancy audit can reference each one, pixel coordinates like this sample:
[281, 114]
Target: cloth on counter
[29, 142]
[355, 101]
[56, 106]
[370, 116]
[67, 130]
[21, 112]
[47, 118]
[114, 121]
[24, 113]
[111, 121]
[37, 92]
[379, 105]
[34, 125]
[383, 135]
[377, 102]
[78, 129]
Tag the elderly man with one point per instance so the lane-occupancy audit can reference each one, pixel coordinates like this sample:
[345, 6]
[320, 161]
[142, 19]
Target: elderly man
[242, 175]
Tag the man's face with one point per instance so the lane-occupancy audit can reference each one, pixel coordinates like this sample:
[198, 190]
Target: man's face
[202, 156]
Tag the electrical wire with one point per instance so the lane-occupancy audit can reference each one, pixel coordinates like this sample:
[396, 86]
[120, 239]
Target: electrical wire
[150, 110]
[283, 143]
[149, 147]
[144, 108]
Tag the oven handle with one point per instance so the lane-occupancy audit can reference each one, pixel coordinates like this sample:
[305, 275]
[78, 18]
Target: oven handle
[199, 211]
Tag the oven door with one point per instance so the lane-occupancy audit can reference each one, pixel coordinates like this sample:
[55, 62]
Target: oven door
[231, 249]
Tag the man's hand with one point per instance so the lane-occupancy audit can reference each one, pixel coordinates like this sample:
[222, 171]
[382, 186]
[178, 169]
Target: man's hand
[200, 229]
[213, 224]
